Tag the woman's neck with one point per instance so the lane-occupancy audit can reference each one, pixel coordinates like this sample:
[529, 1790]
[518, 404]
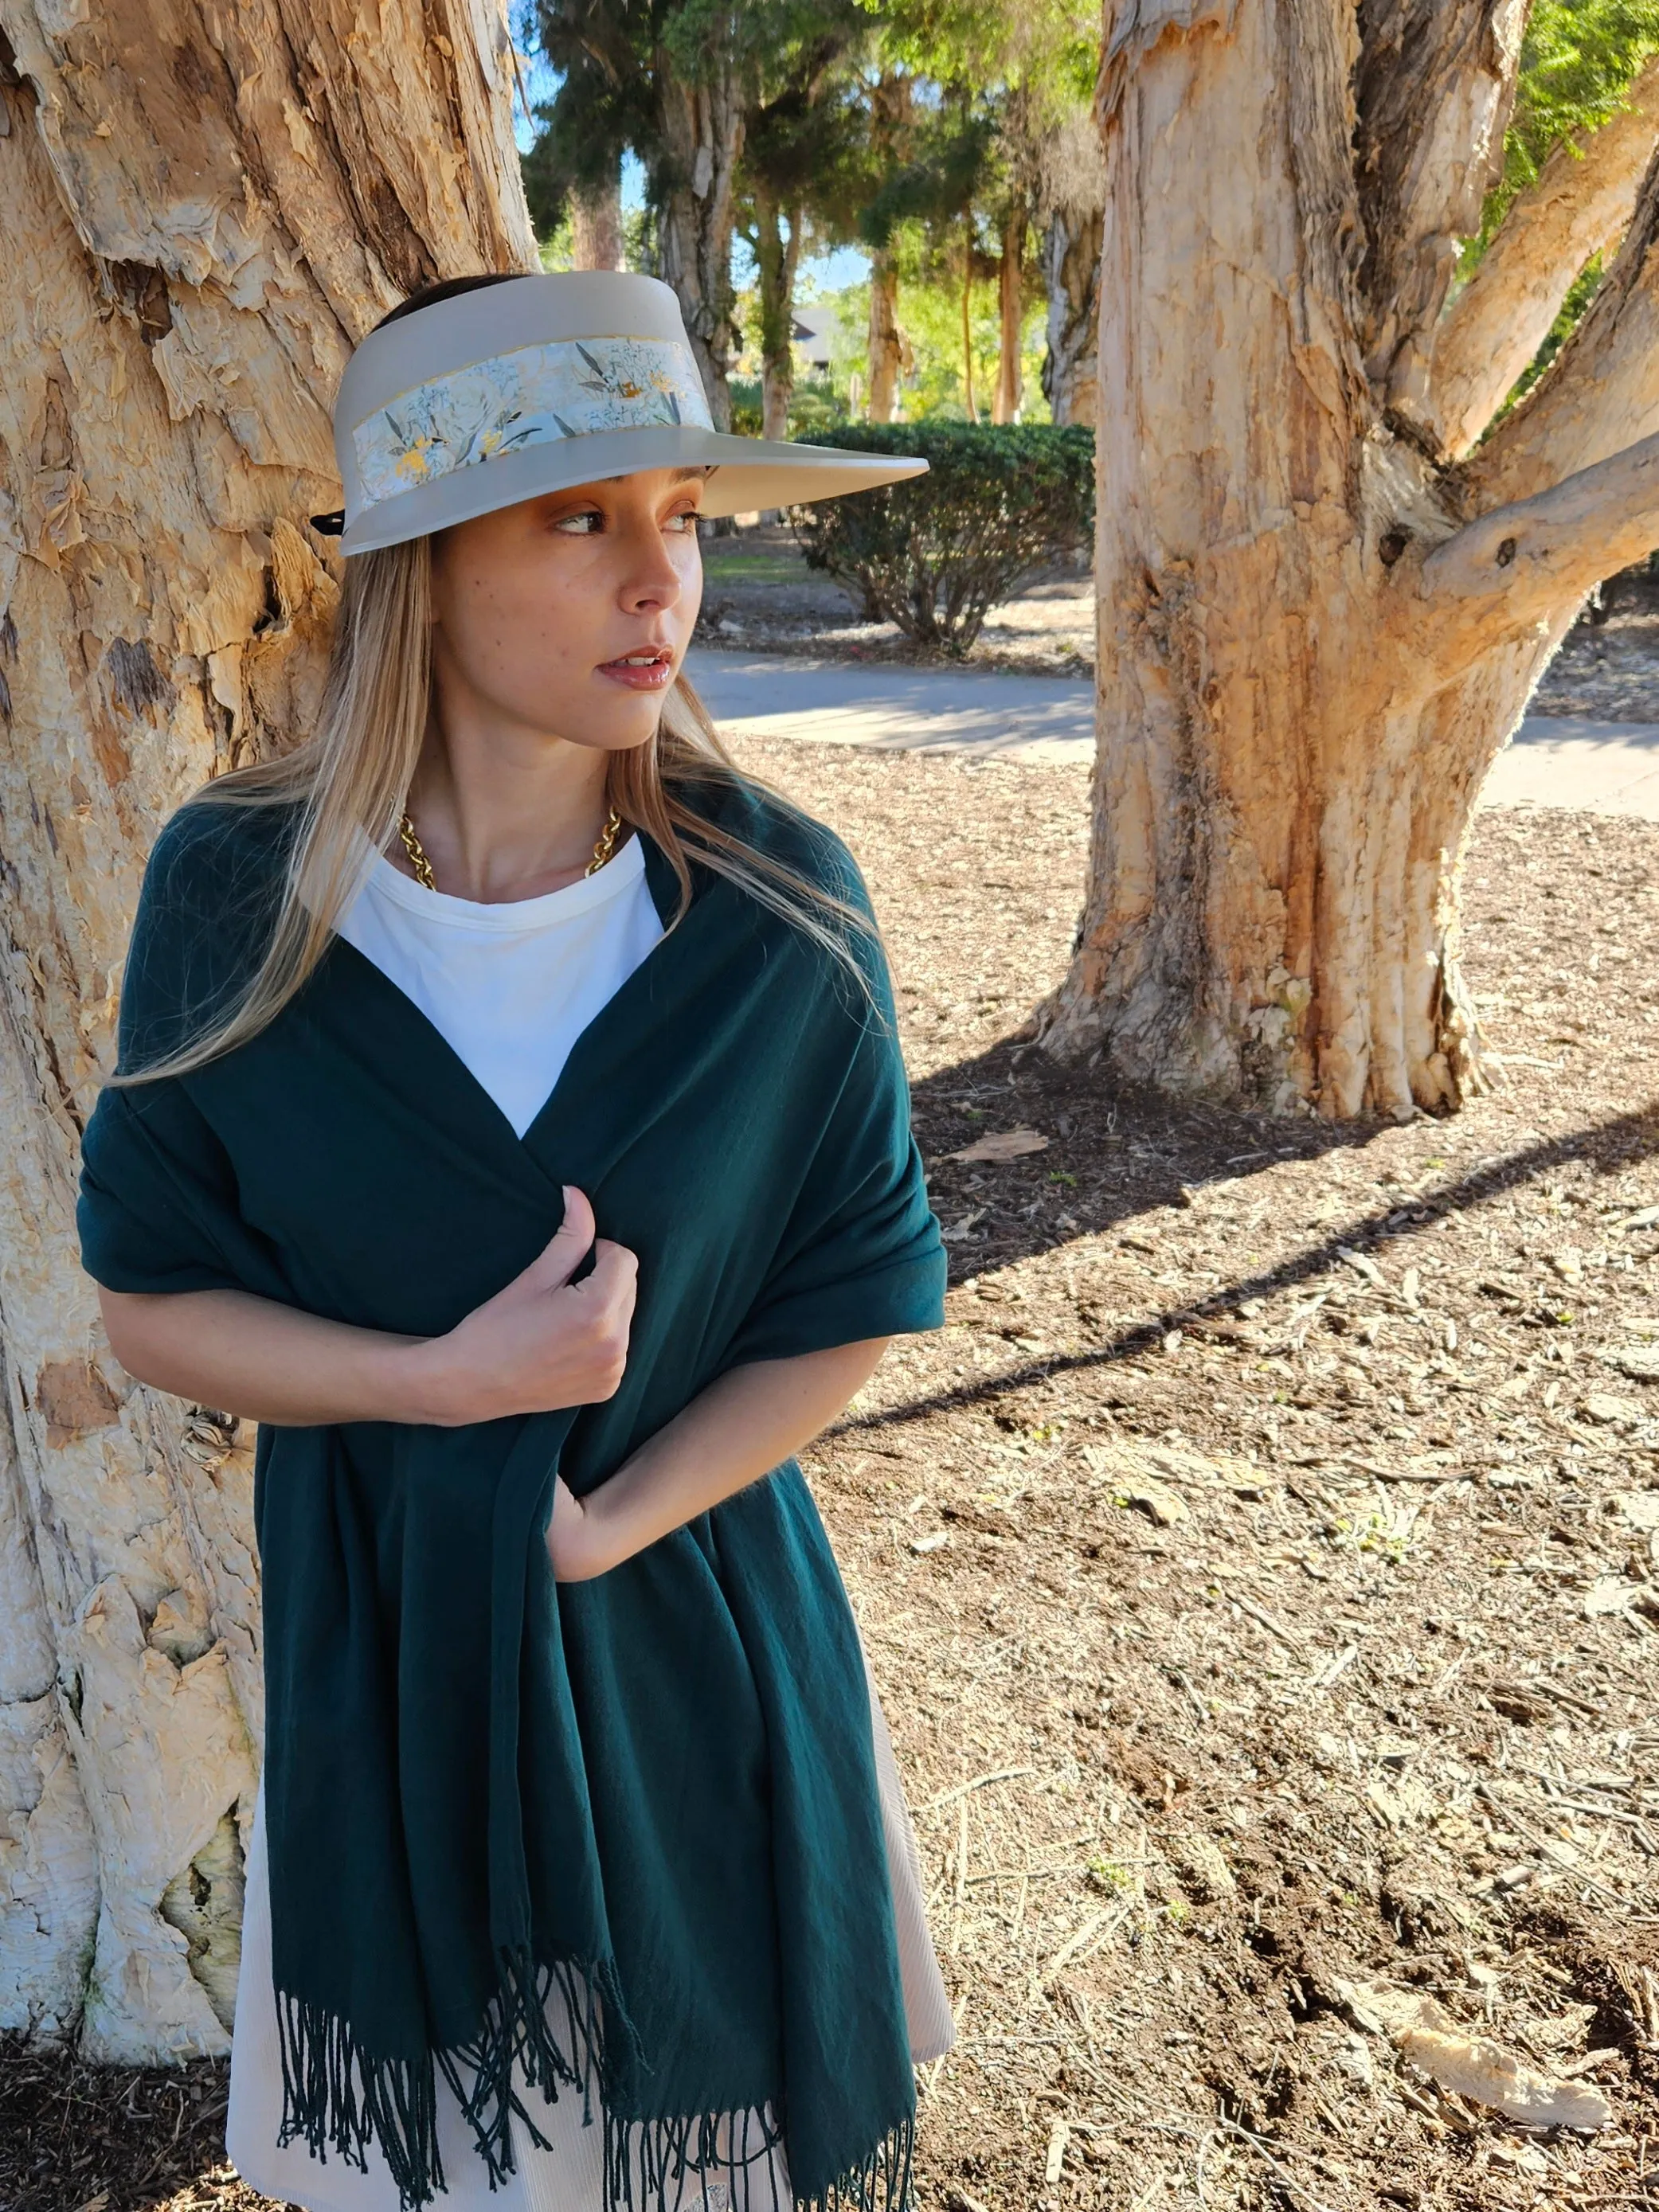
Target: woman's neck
[503, 811]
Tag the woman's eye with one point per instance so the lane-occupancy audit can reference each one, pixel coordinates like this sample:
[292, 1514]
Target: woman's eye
[582, 525]
[684, 523]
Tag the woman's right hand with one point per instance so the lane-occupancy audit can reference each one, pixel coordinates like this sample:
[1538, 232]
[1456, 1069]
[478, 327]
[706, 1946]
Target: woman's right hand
[544, 1341]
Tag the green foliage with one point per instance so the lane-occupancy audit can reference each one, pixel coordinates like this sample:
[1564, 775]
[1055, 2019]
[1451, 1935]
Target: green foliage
[816, 409]
[934, 555]
[930, 316]
[1576, 61]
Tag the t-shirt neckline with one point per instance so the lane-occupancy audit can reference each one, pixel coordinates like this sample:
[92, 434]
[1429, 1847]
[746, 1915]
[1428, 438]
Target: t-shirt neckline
[508, 916]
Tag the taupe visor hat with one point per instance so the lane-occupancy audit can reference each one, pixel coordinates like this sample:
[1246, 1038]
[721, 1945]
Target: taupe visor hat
[521, 388]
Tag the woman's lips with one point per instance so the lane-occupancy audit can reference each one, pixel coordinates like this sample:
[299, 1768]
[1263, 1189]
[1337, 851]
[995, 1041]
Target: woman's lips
[641, 671]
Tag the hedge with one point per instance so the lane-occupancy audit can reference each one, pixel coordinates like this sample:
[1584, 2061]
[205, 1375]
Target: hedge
[935, 553]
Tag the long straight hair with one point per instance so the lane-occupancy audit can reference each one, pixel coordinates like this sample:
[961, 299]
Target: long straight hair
[350, 779]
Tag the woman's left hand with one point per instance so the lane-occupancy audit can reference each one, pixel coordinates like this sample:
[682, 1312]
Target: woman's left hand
[576, 1538]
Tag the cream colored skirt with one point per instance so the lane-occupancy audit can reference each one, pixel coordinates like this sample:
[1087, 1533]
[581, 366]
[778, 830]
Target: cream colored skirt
[567, 2177]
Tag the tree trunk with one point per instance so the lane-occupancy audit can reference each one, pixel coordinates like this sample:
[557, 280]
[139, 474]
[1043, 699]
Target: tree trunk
[596, 227]
[1011, 306]
[966, 318]
[702, 130]
[203, 209]
[779, 252]
[1071, 271]
[1071, 198]
[884, 346]
[1314, 639]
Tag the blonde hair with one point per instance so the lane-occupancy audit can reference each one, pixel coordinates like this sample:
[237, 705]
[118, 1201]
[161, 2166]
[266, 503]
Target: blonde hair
[352, 777]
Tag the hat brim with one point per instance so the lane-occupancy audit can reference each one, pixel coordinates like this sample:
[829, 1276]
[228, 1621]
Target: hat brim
[748, 473]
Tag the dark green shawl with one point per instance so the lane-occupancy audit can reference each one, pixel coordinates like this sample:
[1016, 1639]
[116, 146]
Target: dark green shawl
[651, 1794]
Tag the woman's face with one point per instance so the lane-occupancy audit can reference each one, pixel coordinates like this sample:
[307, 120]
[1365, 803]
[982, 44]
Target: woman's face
[570, 614]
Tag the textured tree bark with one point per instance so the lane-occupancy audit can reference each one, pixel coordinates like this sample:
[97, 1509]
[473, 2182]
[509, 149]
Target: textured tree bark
[596, 227]
[203, 209]
[1315, 638]
[702, 140]
[1011, 314]
[1069, 203]
[1072, 245]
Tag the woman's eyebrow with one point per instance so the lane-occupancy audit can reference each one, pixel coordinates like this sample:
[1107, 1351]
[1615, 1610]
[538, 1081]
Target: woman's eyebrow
[683, 476]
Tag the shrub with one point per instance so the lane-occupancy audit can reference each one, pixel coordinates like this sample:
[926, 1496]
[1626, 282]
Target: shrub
[934, 554]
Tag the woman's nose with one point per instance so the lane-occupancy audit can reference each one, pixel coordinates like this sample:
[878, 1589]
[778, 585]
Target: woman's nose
[651, 577]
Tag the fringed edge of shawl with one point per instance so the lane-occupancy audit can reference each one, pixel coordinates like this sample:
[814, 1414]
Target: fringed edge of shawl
[336, 2096]
[880, 2183]
[665, 2166]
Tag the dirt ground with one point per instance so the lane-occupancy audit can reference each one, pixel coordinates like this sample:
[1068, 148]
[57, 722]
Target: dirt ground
[761, 595]
[1259, 1573]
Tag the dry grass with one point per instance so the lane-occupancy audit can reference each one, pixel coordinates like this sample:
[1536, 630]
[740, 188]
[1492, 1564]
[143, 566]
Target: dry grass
[1256, 1570]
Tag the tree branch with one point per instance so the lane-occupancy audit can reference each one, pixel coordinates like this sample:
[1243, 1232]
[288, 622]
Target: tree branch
[1602, 392]
[1577, 205]
[1542, 553]
[1434, 86]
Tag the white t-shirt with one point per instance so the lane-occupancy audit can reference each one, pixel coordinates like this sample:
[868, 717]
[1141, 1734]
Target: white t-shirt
[510, 987]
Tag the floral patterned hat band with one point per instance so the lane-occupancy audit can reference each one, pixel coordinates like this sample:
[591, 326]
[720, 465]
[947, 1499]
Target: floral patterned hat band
[520, 389]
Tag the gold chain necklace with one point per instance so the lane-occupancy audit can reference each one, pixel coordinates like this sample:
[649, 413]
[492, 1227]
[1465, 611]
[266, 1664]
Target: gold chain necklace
[605, 846]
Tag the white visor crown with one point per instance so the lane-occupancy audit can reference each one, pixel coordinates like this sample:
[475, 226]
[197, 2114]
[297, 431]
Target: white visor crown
[520, 389]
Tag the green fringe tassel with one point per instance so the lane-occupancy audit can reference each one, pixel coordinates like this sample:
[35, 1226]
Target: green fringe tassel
[883, 2182]
[336, 2096]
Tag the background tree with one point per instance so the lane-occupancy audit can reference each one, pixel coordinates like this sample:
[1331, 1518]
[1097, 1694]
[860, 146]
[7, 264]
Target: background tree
[891, 114]
[203, 209]
[806, 162]
[1320, 611]
[674, 81]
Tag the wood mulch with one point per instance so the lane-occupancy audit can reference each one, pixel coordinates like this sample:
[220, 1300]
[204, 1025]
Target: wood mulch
[1259, 1569]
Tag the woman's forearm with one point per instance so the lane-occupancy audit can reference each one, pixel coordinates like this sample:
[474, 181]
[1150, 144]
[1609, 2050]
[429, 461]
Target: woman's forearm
[542, 1341]
[265, 1361]
[747, 1421]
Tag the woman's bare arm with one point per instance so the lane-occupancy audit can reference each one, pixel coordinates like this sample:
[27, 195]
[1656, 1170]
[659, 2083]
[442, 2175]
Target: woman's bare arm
[747, 1421]
[542, 1342]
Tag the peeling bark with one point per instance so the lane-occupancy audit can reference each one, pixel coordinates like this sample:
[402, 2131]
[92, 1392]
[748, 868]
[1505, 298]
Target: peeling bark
[1314, 638]
[203, 209]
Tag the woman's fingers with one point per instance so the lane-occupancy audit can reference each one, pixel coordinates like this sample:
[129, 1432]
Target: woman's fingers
[560, 1256]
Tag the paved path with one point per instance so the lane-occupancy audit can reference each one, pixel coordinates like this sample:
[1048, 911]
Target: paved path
[1609, 768]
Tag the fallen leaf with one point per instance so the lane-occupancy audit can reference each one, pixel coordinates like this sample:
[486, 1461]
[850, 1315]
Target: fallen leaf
[1197, 1859]
[1474, 2067]
[1639, 1507]
[1166, 1506]
[1471, 2065]
[1002, 1144]
[1647, 1219]
[935, 1542]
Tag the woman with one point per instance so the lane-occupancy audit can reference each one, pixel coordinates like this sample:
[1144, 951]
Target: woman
[508, 1118]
